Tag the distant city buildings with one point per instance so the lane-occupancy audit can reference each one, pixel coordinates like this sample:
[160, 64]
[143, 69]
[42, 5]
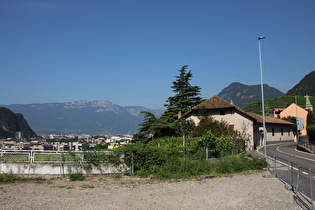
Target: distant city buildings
[66, 142]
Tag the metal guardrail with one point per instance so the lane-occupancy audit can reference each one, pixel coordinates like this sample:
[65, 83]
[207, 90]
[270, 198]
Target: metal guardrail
[299, 179]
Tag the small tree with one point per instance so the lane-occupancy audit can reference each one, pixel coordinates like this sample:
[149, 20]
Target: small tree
[310, 118]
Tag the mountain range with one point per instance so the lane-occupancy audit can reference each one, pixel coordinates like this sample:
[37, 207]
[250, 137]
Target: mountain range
[82, 117]
[104, 117]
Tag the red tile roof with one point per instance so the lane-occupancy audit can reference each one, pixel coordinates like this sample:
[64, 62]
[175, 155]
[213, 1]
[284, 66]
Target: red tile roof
[269, 119]
[218, 103]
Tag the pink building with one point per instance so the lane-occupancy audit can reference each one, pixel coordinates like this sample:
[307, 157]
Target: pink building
[293, 111]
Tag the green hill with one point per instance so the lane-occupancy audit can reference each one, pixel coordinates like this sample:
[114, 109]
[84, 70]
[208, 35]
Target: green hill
[279, 102]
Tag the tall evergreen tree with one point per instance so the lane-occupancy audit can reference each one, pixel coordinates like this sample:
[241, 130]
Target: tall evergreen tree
[186, 97]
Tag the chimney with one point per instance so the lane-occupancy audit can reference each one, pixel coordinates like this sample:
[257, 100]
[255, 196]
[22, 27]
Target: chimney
[179, 113]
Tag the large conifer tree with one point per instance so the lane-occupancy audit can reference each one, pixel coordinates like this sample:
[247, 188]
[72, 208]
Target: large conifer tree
[186, 97]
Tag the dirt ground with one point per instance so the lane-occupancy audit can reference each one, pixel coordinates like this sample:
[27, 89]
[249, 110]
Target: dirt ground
[251, 191]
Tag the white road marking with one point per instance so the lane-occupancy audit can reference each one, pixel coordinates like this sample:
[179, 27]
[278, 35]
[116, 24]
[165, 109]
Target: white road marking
[298, 156]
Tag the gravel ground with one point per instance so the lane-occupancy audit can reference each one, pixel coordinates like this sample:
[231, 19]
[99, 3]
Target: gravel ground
[103, 192]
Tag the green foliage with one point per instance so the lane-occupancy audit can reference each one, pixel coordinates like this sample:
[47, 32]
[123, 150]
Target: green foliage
[279, 102]
[147, 158]
[220, 145]
[310, 118]
[97, 158]
[236, 163]
[311, 132]
[75, 176]
[166, 158]
[186, 97]
[155, 126]
[10, 178]
[217, 128]
[184, 127]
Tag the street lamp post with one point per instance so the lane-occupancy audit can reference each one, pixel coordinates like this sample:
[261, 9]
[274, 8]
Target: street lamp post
[262, 97]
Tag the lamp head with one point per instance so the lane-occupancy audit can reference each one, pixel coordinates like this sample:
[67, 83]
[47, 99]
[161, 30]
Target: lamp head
[261, 37]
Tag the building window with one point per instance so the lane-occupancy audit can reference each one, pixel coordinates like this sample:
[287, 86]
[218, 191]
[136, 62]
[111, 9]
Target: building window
[281, 131]
[231, 127]
[222, 112]
[273, 131]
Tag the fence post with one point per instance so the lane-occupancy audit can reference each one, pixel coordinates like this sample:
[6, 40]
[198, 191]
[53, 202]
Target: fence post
[61, 165]
[132, 165]
[275, 166]
[292, 175]
[298, 178]
[31, 156]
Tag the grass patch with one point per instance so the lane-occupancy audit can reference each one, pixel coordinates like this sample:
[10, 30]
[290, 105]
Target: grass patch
[65, 187]
[10, 178]
[85, 186]
[185, 168]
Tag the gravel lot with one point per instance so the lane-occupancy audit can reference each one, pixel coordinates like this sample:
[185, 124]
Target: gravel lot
[103, 192]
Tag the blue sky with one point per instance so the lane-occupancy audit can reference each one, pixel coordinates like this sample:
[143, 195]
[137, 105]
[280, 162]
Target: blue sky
[129, 51]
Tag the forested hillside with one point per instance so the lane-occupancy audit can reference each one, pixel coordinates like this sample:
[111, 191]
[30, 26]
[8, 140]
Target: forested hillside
[280, 102]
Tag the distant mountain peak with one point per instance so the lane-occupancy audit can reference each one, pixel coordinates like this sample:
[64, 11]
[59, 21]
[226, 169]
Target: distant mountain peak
[305, 87]
[242, 95]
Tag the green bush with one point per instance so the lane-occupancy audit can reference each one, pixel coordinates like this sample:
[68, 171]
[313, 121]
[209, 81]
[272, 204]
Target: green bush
[311, 132]
[97, 158]
[237, 163]
[6, 178]
[9, 178]
[167, 159]
[75, 175]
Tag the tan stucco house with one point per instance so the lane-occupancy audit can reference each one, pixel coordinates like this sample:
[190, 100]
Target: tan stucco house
[295, 111]
[248, 124]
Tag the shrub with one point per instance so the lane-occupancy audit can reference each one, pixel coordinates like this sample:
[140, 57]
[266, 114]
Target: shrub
[237, 163]
[167, 159]
[311, 132]
[9, 178]
[75, 176]
[5, 178]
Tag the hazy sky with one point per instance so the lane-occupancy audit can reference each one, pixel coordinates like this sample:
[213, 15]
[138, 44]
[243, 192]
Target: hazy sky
[129, 51]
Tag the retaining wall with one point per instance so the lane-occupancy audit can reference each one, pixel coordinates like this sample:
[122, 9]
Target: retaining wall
[61, 169]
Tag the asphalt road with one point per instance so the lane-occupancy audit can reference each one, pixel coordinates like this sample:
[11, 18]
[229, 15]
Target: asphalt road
[287, 150]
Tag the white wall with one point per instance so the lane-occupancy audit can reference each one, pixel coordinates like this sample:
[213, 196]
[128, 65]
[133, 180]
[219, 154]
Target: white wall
[56, 169]
[277, 135]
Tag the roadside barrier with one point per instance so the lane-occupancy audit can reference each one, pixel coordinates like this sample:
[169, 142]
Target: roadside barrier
[299, 179]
